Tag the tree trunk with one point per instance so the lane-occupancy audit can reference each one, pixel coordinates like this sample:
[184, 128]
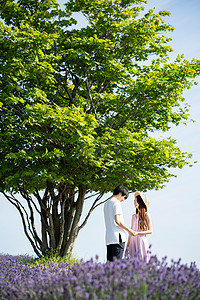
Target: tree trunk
[59, 210]
[60, 216]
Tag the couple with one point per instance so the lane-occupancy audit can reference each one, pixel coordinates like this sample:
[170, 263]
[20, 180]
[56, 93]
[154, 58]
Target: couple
[116, 229]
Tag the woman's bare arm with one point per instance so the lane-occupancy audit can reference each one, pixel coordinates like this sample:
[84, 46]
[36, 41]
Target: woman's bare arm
[149, 226]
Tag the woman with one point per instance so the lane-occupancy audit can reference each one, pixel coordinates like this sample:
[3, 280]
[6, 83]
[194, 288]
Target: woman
[141, 223]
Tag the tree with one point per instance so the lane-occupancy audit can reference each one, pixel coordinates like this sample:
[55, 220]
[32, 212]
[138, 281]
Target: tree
[78, 108]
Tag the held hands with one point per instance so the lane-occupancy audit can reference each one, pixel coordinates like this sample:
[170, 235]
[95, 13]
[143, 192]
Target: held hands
[134, 233]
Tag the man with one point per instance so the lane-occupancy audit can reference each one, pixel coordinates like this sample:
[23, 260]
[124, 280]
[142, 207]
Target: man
[115, 228]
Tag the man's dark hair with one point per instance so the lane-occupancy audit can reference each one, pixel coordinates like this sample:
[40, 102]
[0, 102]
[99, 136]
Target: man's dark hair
[121, 189]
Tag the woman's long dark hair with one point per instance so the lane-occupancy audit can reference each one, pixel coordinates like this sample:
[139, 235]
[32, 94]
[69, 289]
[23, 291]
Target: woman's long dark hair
[142, 224]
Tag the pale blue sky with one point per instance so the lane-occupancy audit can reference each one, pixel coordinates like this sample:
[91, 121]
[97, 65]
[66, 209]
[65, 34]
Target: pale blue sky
[175, 210]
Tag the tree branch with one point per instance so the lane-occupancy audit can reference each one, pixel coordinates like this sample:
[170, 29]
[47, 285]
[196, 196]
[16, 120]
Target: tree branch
[91, 99]
[29, 201]
[91, 209]
[20, 208]
[67, 90]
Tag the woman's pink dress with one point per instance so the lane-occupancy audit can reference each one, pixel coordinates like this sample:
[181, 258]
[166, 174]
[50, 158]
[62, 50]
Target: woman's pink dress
[138, 245]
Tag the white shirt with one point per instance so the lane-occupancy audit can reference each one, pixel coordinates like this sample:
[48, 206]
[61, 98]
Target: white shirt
[113, 207]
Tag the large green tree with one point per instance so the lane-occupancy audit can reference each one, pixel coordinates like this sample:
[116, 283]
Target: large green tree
[79, 106]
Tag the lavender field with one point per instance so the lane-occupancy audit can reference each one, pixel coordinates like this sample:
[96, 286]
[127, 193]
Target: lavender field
[125, 279]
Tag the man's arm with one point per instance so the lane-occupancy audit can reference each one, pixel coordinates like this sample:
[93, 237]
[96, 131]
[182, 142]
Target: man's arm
[121, 225]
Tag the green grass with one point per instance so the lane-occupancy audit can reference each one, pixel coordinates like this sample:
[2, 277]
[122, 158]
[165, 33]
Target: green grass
[55, 259]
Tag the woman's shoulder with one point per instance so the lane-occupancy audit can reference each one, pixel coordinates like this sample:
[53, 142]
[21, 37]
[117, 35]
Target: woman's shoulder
[147, 215]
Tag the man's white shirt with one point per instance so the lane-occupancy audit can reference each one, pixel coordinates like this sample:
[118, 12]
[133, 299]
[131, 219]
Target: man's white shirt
[113, 207]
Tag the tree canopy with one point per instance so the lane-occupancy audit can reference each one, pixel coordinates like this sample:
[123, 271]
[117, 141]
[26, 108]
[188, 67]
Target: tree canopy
[79, 106]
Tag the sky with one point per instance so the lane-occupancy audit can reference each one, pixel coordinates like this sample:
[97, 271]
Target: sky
[175, 210]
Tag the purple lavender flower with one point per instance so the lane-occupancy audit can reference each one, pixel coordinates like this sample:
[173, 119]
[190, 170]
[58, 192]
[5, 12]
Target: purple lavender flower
[121, 279]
